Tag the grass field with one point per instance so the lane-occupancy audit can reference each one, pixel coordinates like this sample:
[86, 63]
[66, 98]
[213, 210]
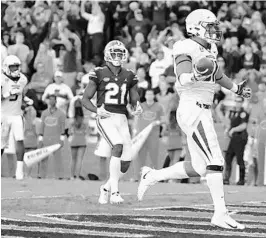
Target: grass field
[53, 208]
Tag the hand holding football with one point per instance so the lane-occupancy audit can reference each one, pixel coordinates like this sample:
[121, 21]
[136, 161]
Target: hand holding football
[202, 69]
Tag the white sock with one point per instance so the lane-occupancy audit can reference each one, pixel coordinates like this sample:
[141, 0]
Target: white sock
[176, 171]
[215, 184]
[114, 168]
[19, 167]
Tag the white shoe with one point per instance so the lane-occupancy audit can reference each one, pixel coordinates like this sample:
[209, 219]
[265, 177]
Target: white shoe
[116, 198]
[104, 195]
[225, 221]
[146, 180]
[19, 175]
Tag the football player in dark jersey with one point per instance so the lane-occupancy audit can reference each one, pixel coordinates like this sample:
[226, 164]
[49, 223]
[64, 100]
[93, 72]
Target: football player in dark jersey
[113, 85]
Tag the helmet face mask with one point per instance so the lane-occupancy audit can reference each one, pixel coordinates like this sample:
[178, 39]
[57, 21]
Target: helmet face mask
[115, 53]
[212, 32]
[12, 66]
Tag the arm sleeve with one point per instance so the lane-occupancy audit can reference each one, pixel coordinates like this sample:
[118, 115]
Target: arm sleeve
[86, 16]
[183, 64]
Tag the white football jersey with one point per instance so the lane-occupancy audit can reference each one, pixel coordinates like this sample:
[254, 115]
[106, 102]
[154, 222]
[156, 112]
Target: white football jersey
[11, 106]
[202, 91]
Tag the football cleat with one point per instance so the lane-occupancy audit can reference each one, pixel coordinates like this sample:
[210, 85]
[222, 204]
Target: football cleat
[146, 181]
[104, 195]
[225, 221]
[116, 198]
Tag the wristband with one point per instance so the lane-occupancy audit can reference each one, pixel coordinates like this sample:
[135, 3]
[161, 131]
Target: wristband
[62, 137]
[185, 78]
[40, 138]
[234, 88]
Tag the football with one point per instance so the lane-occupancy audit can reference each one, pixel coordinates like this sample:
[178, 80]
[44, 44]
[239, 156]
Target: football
[204, 66]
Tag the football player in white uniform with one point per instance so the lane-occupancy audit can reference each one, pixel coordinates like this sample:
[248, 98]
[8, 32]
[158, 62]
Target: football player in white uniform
[13, 83]
[194, 116]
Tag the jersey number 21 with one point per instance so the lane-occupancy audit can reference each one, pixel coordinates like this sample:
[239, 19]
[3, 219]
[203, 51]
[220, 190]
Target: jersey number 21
[112, 94]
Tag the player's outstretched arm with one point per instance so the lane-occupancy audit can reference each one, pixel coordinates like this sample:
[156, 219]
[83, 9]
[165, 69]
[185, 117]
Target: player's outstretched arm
[227, 83]
[88, 95]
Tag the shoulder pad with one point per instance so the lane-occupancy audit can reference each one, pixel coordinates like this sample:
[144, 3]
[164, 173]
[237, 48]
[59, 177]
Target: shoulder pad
[185, 47]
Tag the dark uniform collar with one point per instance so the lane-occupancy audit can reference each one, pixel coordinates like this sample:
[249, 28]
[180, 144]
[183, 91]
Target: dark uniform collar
[15, 79]
[202, 42]
[113, 72]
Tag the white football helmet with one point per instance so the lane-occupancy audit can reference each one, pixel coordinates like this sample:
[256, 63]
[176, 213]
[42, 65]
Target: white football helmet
[204, 24]
[12, 66]
[115, 52]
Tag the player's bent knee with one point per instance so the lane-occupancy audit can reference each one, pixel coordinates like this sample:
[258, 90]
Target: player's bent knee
[217, 168]
[125, 166]
[117, 150]
[200, 168]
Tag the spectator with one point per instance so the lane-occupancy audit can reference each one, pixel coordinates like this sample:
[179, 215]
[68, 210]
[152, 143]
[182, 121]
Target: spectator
[138, 43]
[250, 60]
[232, 56]
[139, 24]
[238, 134]
[94, 39]
[62, 92]
[236, 29]
[256, 48]
[160, 14]
[40, 80]
[144, 61]
[77, 140]
[22, 51]
[175, 137]
[3, 52]
[157, 68]
[6, 39]
[165, 94]
[152, 111]
[154, 48]
[71, 59]
[30, 133]
[45, 59]
[52, 131]
[142, 83]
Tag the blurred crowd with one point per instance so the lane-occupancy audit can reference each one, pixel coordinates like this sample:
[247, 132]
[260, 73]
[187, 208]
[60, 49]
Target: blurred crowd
[59, 42]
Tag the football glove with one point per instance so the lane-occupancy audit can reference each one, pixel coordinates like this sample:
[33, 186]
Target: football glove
[138, 110]
[101, 112]
[243, 91]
